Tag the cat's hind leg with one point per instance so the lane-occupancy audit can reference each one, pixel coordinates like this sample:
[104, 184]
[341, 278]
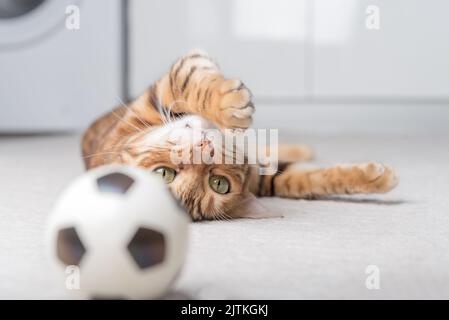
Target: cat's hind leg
[294, 182]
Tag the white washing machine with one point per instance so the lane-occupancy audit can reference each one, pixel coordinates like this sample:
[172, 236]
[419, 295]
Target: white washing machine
[56, 78]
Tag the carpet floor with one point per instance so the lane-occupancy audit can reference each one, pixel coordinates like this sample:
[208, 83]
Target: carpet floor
[321, 249]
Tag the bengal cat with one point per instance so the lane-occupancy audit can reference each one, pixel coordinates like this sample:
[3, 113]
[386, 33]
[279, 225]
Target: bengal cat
[194, 95]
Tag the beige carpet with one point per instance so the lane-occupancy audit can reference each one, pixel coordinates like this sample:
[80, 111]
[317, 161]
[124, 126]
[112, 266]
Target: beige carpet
[320, 249]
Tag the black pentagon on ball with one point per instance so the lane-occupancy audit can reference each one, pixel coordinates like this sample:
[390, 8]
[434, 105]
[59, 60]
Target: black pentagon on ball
[115, 183]
[69, 248]
[147, 247]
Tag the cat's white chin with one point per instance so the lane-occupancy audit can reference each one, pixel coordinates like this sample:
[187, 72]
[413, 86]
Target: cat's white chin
[186, 130]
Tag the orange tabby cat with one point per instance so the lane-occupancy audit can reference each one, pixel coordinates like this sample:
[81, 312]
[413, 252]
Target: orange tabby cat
[194, 95]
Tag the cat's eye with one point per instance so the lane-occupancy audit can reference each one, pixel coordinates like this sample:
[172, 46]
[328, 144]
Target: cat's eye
[219, 184]
[168, 174]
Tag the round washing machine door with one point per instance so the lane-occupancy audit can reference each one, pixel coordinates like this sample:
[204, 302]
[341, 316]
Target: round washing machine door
[24, 22]
[10, 9]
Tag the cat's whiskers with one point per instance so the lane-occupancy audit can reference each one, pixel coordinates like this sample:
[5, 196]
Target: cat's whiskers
[219, 214]
[170, 108]
[146, 124]
[127, 122]
[100, 154]
[118, 153]
[112, 150]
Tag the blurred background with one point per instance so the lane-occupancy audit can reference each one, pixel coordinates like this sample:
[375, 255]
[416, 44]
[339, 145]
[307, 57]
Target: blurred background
[320, 66]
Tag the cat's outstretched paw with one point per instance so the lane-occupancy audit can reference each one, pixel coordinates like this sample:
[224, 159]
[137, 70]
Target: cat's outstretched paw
[378, 178]
[236, 108]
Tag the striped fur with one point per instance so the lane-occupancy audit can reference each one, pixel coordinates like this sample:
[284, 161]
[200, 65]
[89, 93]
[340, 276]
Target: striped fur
[194, 85]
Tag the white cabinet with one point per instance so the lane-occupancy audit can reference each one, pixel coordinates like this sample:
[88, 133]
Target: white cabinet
[259, 41]
[286, 50]
[406, 58]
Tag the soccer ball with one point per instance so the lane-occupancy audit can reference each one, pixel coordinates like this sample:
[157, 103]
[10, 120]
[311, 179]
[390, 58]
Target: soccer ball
[123, 230]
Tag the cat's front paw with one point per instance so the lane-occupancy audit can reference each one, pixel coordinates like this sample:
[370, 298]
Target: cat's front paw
[236, 107]
[379, 178]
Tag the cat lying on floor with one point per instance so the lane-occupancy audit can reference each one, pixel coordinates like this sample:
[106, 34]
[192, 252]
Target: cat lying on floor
[194, 95]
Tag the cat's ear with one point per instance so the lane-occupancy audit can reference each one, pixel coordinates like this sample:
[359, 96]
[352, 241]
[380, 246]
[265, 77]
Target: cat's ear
[250, 207]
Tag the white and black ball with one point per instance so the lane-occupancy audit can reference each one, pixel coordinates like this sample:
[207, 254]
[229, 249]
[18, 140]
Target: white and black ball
[123, 229]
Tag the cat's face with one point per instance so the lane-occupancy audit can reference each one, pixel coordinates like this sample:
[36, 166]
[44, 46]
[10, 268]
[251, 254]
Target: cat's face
[207, 190]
